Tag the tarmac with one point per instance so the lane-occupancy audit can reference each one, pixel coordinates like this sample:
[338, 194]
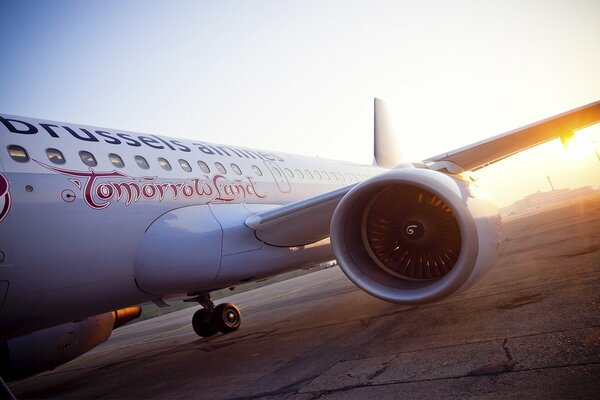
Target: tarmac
[530, 329]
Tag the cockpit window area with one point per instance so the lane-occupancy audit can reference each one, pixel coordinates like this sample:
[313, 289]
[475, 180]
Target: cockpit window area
[164, 164]
[55, 156]
[18, 153]
[88, 158]
[185, 165]
[116, 160]
[141, 162]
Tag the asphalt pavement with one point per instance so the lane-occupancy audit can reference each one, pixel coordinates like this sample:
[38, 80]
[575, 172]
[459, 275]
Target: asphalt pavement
[530, 329]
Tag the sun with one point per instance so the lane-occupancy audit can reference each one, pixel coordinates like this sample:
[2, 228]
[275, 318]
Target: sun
[579, 146]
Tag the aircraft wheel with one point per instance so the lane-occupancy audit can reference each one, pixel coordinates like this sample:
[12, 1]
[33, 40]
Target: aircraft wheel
[227, 317]
[203, 325]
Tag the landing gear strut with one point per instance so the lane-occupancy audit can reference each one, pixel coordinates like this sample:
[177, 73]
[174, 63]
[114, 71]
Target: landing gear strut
[209, 320]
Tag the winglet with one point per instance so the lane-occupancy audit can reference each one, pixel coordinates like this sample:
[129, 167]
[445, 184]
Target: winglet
[386, 149]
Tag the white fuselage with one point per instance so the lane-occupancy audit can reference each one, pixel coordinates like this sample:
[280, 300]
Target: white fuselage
[71, 235]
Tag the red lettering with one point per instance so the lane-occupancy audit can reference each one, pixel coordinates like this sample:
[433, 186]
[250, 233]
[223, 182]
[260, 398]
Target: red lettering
[98, 195]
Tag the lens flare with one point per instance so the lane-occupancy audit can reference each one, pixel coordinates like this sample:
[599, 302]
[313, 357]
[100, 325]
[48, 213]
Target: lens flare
[578, 147]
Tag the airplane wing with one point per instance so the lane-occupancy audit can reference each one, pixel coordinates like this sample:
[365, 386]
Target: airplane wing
[308, 221]
[486, 152]
[300, 223]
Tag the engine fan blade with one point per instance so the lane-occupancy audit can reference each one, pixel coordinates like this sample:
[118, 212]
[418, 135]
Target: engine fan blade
[412, 233]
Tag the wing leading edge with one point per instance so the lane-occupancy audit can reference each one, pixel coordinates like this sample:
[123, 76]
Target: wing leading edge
[308, 221]
[489, 151]
[300, 223]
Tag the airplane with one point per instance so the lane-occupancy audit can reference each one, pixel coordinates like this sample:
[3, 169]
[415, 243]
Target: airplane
[95, 222]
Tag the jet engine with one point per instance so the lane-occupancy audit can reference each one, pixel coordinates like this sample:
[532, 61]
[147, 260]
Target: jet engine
[414, 236]
[48, 348]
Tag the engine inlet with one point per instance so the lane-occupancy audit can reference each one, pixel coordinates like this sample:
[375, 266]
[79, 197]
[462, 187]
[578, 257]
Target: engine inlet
[411, 233]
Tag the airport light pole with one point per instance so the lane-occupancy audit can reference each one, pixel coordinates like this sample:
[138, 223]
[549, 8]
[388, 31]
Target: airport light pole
[550, 182]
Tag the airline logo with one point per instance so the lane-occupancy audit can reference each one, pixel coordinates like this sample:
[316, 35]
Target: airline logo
[4, 197]
[91, 135]
[100, 189]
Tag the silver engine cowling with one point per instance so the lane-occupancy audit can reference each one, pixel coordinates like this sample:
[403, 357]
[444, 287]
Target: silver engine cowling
[48, 348]
[414, 236]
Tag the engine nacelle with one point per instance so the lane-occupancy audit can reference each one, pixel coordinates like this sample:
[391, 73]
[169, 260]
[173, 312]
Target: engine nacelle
[48, 348]
[414, 236]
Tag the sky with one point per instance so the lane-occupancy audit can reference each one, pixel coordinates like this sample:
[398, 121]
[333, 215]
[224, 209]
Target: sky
[300, 76]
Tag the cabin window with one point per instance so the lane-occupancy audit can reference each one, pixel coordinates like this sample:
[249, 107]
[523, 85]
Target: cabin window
[299, 173]
[55, 156]
[307, 173]
[17, 153]
[340, 176]
[236, 169]
[203, 166]
[347, 176]
[333, 176]
[317, 174]
[289, 172]
[88, 158]
[220, 168]
[141, 162]
[116, 160]
[326, 175]
[185, 165]
[164, 164]
[257, 170]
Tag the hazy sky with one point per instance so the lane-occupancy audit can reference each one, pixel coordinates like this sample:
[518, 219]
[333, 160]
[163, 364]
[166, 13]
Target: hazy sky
[300, 76]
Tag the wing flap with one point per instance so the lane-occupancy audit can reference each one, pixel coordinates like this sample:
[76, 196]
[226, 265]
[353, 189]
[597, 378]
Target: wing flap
[489, 151]
[299, 223]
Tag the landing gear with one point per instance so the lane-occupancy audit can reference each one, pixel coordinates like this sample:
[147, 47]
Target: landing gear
[202, 323]
[209, 320]
[227, 317]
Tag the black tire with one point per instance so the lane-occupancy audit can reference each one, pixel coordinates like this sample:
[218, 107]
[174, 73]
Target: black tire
[227, 317]
[202, 324]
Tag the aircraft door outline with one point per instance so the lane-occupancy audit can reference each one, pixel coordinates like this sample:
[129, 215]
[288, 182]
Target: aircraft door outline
[279, 176]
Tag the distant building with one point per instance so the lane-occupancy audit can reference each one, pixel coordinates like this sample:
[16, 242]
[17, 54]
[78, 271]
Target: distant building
[544, 199]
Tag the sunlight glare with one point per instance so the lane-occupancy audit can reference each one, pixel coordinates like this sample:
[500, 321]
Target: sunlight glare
[578, 146]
